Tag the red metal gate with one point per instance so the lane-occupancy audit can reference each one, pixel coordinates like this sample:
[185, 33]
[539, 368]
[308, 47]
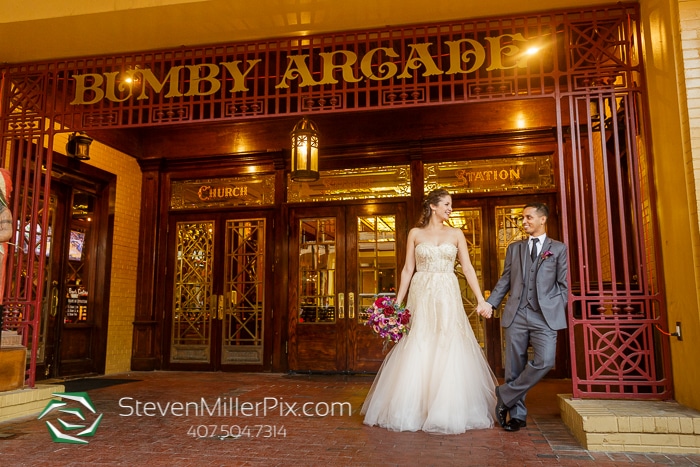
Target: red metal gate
[590, 65]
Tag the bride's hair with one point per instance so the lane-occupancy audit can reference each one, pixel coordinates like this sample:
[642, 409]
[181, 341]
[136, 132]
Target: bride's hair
[432, 198]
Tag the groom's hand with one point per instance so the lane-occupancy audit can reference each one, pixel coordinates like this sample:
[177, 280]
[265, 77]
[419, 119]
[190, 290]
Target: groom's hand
[485, 310]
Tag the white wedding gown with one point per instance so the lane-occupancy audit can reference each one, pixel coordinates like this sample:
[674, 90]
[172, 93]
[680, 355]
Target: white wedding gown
[436, 378]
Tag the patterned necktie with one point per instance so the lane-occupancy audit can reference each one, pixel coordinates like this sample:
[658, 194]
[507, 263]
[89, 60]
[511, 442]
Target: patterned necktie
[533, 252]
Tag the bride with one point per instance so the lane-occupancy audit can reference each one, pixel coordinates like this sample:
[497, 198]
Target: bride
[436, 378]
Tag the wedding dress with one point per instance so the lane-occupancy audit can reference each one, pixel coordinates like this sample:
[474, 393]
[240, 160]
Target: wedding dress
[436, 378]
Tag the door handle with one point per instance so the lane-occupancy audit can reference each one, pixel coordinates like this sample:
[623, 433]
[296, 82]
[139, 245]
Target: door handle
[221, 307]
[213, 304]
[351, 305]
[54, 298]
[341, 306]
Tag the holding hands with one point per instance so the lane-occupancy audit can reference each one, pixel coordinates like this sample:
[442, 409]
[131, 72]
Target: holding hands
[484, 309]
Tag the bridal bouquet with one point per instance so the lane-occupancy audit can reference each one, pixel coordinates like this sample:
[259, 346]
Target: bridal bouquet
[388, 319]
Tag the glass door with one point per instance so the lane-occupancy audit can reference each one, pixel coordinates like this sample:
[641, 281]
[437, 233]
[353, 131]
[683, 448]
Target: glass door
[490, 225]
[377, 245]
[317, 290]
[341, 258]
[219, 297]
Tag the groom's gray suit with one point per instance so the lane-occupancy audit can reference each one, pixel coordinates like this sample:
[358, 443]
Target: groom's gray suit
[535, 310]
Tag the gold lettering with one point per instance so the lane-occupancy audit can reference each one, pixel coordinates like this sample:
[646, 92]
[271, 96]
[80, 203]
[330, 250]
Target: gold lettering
[346, 67]
[461, 177]
[515, 174]
[379, 64]
[111, 86]
[173, 77]
[238, 77]
[503, 174]
[386, 69]
[81, 88]
[196, 79]
[477, 54]
[508, 50]
[295, 68]
[207, 193]
[203, 193]
[424, 58]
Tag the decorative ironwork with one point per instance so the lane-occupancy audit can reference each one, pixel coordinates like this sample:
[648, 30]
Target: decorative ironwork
[453, 62]
[470, 222]
[244, 286]
[603, 43]
[591, 62]
[192, 312]
[26, 273]
[616, 296]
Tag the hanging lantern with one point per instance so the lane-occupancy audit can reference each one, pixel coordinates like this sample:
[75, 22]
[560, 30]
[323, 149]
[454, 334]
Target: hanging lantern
[305, 151]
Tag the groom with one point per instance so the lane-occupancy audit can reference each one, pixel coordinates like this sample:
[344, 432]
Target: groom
[535, 274]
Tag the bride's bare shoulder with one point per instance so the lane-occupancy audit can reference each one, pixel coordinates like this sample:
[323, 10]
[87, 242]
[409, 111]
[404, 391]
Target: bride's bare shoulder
[456, 232]
[414, 234]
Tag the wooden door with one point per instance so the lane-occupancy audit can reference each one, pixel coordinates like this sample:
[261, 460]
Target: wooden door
[74, 315]
[490, 225]
[341, 257]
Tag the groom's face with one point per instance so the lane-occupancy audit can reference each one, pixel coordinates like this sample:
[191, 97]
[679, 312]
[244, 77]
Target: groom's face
[533, 222]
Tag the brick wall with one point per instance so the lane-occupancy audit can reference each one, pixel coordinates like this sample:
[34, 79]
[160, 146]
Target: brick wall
[124, 253]
[689, 11]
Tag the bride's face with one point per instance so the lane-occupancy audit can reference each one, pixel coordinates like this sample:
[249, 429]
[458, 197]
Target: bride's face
[443, 208]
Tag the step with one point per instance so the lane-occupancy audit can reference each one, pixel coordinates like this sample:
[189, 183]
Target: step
[24, 402]
[632, 426]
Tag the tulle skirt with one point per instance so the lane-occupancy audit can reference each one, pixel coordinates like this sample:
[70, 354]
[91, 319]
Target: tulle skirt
[436, 379]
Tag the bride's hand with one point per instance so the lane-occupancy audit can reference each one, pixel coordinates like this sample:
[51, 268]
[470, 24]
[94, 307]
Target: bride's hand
[484, 309]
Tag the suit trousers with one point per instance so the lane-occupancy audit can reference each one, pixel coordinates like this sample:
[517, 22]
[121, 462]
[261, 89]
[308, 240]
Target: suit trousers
[528, 328]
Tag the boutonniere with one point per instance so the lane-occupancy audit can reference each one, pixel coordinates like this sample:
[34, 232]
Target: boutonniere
[547, 254]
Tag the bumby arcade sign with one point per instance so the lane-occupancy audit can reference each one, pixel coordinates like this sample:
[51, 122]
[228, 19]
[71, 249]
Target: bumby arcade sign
[310, 68]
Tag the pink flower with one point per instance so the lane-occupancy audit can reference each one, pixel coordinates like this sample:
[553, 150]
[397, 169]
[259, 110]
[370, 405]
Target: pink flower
[388, 319]
[547, 254]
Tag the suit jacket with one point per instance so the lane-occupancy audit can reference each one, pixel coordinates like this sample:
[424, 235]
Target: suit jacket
[552, 286]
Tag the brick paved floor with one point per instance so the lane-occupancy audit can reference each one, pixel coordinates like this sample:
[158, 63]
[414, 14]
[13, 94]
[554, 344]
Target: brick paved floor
[133, 432]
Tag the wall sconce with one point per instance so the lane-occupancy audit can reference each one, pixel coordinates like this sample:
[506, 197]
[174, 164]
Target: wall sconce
[305, 151]
[78, 146]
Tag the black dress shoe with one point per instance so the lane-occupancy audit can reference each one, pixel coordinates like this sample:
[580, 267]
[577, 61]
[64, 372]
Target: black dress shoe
[501, 410]
[514, 424]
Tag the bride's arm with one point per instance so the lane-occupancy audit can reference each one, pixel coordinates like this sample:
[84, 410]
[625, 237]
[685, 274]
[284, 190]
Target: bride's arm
[470, 273]
[409, 266]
